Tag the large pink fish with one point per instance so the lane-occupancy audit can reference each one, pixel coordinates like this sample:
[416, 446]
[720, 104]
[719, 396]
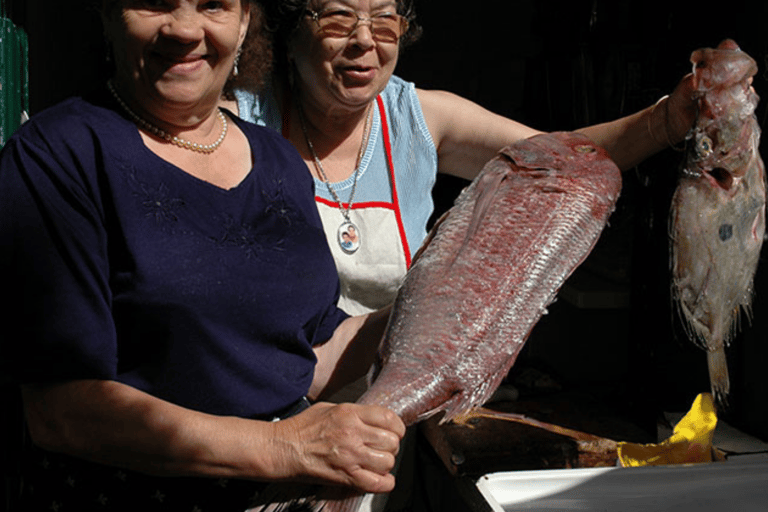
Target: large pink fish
[489, 270]
[718, 210]
[492, 266]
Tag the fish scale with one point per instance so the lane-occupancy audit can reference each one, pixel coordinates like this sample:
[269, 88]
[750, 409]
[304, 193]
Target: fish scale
[498, 258]
[484, 277]
[489, 270]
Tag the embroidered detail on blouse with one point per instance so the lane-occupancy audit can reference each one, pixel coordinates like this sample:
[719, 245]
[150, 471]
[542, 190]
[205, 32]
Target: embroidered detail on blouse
[276, 204]
[248, 237]
[160, 204]
[157, 200]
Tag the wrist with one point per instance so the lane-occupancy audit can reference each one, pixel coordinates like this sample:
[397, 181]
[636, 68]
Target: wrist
[659, 126]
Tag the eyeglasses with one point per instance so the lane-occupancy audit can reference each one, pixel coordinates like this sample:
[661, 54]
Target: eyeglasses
[386, 27]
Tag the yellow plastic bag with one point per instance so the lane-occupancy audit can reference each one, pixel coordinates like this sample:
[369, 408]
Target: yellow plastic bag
[690, 442]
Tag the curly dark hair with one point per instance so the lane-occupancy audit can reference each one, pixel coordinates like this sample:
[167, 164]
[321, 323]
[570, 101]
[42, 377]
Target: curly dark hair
[255, 60]
[284, 16]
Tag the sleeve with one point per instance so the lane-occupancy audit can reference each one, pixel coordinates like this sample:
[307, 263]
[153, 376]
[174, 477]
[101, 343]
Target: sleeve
[328, 323]
[55, 305]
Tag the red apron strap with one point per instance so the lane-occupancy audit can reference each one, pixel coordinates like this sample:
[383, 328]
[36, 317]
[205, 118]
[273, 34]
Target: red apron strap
[390, 164]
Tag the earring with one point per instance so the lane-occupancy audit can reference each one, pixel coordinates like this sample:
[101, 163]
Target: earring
[235, 71]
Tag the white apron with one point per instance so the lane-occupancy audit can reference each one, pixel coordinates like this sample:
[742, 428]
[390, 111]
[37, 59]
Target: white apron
[371, 276]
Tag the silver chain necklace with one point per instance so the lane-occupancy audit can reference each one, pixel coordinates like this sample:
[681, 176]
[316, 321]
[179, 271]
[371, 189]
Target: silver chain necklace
[348, 234]
[177, 141]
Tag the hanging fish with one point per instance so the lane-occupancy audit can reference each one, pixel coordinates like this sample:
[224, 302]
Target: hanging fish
[718, 209]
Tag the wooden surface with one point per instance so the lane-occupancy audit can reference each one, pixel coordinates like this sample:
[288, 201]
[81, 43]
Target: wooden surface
[568, 430]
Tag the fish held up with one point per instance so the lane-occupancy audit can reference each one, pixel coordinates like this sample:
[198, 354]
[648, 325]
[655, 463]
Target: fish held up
[482, 280]
[491, 266]
[717, 219]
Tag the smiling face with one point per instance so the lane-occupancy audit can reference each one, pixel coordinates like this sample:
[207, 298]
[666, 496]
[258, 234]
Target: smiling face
[174, 53]
[343, 72]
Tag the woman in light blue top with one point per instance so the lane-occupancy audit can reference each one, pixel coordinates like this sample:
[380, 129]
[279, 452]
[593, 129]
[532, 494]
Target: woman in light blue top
[374, 142]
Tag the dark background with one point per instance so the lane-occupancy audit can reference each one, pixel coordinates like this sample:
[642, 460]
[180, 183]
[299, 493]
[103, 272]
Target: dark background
[555, 65]
[560, 65]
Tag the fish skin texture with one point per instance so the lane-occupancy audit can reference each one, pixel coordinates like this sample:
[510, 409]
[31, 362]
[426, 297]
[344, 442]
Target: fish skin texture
[485, 276]
[492, 266]
[717, 216]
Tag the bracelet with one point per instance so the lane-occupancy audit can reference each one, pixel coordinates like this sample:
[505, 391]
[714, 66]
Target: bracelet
[669, 143]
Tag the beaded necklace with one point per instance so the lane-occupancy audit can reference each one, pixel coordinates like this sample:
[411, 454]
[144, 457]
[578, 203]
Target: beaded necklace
[177, 141]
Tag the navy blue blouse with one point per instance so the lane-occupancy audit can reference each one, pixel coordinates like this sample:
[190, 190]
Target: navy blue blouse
[119, 265]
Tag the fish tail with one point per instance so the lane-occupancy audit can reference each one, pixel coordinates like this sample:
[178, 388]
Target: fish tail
[718, 374]
[351, 504]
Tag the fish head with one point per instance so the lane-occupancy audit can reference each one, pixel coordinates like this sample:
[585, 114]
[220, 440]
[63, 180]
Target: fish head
[721, 67]
[721, 151]
[722, 146]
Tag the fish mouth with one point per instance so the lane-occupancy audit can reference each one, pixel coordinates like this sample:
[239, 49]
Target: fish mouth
[720, 177]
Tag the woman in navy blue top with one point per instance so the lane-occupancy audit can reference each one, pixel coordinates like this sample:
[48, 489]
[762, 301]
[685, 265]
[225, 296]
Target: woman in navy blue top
[170, 296]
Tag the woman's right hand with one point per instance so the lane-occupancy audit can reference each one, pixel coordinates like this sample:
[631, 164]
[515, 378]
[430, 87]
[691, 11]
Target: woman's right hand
[346, 444]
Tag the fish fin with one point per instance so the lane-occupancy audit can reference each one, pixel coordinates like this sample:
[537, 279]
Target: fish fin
[486, 189]
[466, 417]
[458, 407]
[718, 375]
[430, 236]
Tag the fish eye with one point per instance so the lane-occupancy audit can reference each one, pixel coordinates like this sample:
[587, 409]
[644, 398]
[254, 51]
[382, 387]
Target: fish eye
[704, 146]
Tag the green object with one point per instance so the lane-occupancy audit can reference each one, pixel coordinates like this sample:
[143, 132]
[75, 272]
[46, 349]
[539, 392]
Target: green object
[14, 78]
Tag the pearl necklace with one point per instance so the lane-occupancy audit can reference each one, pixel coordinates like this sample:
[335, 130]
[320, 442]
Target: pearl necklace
[348, 234]
[177, 141]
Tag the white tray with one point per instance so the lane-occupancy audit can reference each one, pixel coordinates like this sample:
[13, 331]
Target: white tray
[737, 485]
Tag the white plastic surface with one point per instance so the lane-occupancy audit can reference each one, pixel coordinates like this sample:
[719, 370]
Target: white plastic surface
[736, 485]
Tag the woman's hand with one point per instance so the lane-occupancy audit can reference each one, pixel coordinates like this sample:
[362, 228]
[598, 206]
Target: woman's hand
[111, 423]
[679, 111]
[346, 444]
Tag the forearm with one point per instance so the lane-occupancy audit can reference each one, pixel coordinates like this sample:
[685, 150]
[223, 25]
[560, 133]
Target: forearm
[631, 139]
[111, 423]
[114, 424]
[349, 353]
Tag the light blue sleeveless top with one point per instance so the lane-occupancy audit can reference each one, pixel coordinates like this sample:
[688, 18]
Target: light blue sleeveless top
[414, 155]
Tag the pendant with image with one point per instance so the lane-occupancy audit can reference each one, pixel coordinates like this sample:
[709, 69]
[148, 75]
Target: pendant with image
[349, 237]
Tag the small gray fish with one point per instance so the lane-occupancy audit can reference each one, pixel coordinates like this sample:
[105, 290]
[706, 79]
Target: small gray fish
[717, 218]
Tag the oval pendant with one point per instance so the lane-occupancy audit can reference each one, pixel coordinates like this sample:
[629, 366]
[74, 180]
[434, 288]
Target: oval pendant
[349, 237]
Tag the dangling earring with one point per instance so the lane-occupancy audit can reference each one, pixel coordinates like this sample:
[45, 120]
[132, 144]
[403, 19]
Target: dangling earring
[235, 71]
